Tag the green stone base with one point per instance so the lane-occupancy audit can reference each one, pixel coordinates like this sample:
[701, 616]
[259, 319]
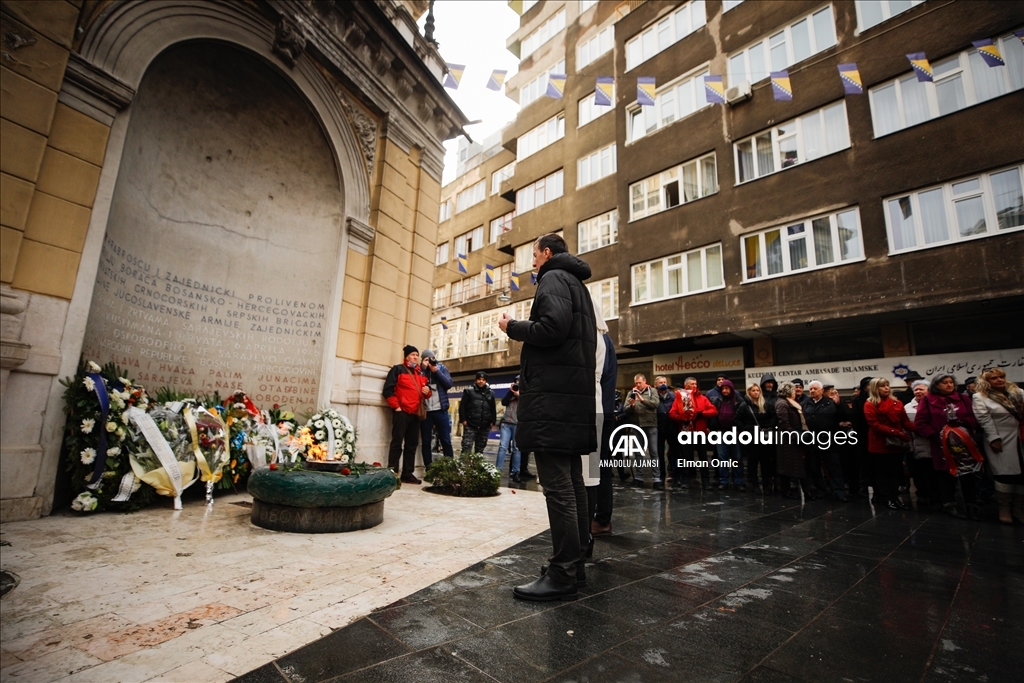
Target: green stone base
[320, 520]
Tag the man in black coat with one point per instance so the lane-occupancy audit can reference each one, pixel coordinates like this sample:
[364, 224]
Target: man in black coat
[822, 417]
[477, 413]
[557, 414]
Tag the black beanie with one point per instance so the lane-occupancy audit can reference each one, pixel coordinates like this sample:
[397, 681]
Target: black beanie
[409, 348]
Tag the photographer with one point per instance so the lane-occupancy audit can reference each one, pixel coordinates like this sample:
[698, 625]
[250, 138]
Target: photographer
[440, 381]
[507, 430]
[642, 403]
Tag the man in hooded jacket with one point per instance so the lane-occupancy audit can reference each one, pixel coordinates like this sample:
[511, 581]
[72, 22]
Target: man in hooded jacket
[557, 418]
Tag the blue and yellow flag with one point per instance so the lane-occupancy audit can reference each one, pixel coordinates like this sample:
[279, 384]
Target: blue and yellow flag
[921, 67]
[989, 52]
[463, 264]
[556, 86]
[781, 87]
[645, 91]
[1020, 34]
[489, 274]
[517, 6]
[850, 76]
[444, 322]
[603, 94]
[496, 80]
[454, 76]
[714, 90]
[533, 278]
[515, 282]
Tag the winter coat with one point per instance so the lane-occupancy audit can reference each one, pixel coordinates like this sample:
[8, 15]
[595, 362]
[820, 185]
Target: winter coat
[718, 423]
[922, 446]
[888, 418]
[443, 379]
[477, 407]
[931, 418]
[789, 452]
[821, 416]
[557, 363]
[770, 397]
[695, 419]
[511, 414]
[747, 416]
[645, 408]
[402, 388]
[998, 422]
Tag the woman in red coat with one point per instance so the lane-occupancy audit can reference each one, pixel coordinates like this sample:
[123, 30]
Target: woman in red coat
[886, 418]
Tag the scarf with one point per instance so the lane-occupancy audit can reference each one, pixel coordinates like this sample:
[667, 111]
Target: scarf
[799, 409]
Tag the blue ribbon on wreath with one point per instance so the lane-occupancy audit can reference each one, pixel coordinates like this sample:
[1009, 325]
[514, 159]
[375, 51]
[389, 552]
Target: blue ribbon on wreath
[238, 441]
[101, 450]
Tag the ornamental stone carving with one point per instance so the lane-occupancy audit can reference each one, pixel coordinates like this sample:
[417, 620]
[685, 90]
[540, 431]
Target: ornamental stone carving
[363, 126]
[289, 40]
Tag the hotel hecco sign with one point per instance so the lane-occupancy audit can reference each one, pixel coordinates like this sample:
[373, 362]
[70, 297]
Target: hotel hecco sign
[696, 362]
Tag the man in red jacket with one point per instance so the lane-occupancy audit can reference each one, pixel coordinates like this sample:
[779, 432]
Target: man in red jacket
[404, 388]
[692, 410]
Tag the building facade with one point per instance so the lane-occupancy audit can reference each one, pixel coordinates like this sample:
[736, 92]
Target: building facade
[765, 233]
[215, 196]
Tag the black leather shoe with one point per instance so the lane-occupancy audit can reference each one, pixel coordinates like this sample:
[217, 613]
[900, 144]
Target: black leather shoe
[516, 478]
[410, 479]
[527, 474]
[637, 483]
[659, 486]
[545, 589]
[581, 573]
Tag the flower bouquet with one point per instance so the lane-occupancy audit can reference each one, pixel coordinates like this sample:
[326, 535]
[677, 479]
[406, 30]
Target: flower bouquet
[210, 443]
[164, 457]
[328, 437]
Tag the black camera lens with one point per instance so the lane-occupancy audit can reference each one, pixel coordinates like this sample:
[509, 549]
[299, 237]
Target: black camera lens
[515, 387]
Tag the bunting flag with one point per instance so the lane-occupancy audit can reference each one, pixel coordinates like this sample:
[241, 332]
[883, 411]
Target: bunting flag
[714, 90]
[515, 282]
[921, 67]
[444, 322]
[463, 264]
[1020, 34]
[645, 90]
[454, 76]
[496, 80]
[850, 76]
[533, 278]
[989, 52]
[489, 274]
[556, 86]
[603, 93]
[781, 87]
[516, 6]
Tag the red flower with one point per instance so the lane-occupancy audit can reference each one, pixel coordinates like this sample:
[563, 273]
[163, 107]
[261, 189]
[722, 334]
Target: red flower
[276, 406]
[273, 466]
[376, 464]
[345, 470]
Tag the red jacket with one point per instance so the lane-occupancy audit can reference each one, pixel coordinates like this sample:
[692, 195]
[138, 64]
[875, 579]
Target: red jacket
[695, 419]
[402, 388]
[888, 418]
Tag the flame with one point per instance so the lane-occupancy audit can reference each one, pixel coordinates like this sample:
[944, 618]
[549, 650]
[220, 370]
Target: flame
[314, 451]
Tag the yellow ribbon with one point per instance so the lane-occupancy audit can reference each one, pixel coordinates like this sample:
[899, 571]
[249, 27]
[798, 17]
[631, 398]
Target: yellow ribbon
[204, 467]
[160, 480]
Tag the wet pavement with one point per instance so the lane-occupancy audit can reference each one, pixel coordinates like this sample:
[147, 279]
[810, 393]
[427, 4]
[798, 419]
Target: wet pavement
[711, 586]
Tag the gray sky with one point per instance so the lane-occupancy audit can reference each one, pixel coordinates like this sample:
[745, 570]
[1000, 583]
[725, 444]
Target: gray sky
[473, 32]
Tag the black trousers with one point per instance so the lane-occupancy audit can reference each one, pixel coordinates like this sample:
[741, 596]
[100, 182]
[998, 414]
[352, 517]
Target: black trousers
[764, 456]
[888, 468]
[668, 448]
[566, 497]
[946, 486]
[404, 427]
[599, 498]
[923, 473]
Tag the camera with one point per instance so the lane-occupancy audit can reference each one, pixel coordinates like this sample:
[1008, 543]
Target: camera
[433, 362]
[515, 387]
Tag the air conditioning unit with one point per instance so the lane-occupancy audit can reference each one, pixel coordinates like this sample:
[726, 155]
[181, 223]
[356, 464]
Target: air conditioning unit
[738, 93]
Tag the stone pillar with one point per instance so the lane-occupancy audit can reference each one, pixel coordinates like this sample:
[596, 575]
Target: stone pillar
[12, 351]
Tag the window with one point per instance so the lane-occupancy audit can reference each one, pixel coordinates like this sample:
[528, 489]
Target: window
[470, 241]
[819, 242]
[794, 43]
[536, 88]
[468, 289]
[502, 277]
[524, 258]
[482, 334]
[470, 196]
[960, 81]
[441, 254]
[873, 12]
[527, 6]
[594, 47]
[597, 232]
[540, 137]
[588, 111]
[441, 296]
[730, 4]
[545, 32]
[586, 4]
[445, 211]
[672, 102]
[794, 142]
[979, 206]
[540, 192]
[690, 272]
[670, 29]
[501, 175]
[521, 309]
[680, 184]
[606, 297]
[499, 225]
[593, 167]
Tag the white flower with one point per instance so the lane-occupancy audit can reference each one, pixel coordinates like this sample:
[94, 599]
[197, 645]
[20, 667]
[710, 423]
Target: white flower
[316, 417]
[125, 381]
[116, 402]
[88, 456]
[120, 432]
[111, 427]
[93, 367]
[89, 384]
[320, 436]
[319, 424]
[344, 458]
[239, 406]
[124, 418]
[337, 423]
[115, 450]
[284, 428]
[85, 502]
[87, 426]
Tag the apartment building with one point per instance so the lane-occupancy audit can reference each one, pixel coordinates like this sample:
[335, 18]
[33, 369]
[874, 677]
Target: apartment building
[760, 233]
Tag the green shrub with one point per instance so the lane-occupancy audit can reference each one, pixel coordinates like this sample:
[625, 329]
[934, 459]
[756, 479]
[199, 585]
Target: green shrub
[467, 474]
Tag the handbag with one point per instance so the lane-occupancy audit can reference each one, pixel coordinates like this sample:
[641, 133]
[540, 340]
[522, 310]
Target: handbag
[421, 412]
[896, 443]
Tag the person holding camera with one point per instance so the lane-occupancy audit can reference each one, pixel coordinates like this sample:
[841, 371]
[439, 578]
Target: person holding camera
[507, 431]
[439, 380]
[642, 403]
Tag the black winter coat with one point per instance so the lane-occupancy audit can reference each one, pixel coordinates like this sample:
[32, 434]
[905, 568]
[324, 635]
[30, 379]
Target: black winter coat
[821, 416]
[557, 364]
[477, 407]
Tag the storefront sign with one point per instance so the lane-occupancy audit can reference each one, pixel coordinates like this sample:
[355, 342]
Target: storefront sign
[847, 374]
[710, 360]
